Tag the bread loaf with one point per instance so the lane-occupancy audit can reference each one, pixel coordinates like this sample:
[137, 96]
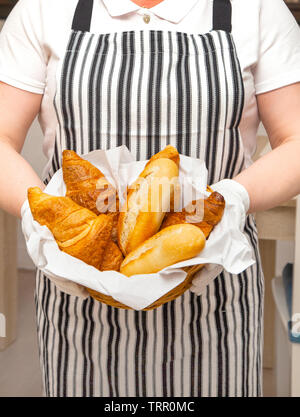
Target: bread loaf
[147, 202]
[168, 152]
[167, 247]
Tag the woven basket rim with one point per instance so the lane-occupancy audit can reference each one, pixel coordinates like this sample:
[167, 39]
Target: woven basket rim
[170, 296]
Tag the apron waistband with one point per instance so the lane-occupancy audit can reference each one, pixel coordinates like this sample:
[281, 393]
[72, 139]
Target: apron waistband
[222, 15]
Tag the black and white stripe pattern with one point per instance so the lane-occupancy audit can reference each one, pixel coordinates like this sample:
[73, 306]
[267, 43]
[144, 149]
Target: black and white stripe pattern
[192, 346]
[147, 89]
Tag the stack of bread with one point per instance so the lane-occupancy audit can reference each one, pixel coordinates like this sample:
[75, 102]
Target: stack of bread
[145, 235]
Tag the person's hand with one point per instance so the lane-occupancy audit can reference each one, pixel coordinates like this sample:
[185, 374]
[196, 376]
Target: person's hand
[32, 243]
[237, 194]
[204, 277]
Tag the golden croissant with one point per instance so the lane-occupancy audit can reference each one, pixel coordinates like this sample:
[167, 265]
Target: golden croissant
[112, 258]
[212, 210]
[87, 186]
[77, 230]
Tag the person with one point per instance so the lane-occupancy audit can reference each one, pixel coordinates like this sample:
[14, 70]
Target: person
[199, 75]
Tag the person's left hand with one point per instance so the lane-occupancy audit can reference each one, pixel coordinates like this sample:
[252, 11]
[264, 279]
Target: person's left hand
[237, 194]
[204, 277]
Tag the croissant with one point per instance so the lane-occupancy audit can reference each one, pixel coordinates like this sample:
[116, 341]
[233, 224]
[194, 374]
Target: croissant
[87, 186]
[77, 230]
[112, 258]
[212, 210]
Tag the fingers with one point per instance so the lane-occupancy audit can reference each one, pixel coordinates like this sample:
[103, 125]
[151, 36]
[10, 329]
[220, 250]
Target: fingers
[69, 287]
[204, 277]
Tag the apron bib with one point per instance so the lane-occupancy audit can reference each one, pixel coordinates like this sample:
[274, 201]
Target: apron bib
[147, 89]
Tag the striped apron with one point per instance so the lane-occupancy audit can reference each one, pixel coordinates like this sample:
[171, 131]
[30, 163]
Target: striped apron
[147, 89]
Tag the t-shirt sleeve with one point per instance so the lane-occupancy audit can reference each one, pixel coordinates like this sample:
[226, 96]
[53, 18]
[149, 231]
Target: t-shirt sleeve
[278, 61]
[23, 58]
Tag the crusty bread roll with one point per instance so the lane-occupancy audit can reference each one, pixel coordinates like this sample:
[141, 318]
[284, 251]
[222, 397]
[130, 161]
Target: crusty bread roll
[168, 152]
[171, 245]
[148, 200]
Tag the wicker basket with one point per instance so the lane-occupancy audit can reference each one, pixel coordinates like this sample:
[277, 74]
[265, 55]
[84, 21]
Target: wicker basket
[171, 295]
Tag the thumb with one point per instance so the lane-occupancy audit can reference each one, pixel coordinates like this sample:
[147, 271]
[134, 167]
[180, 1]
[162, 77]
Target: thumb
[204, 277]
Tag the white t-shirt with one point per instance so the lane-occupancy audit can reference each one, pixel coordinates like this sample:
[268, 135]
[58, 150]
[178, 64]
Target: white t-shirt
[36, 33]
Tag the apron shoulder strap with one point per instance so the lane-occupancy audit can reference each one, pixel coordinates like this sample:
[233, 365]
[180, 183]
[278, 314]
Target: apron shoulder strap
[83, 15]
[222, 13]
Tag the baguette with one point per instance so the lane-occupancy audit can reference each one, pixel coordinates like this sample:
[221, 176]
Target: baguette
[148, 200]
[168, 152]
[171, 245]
